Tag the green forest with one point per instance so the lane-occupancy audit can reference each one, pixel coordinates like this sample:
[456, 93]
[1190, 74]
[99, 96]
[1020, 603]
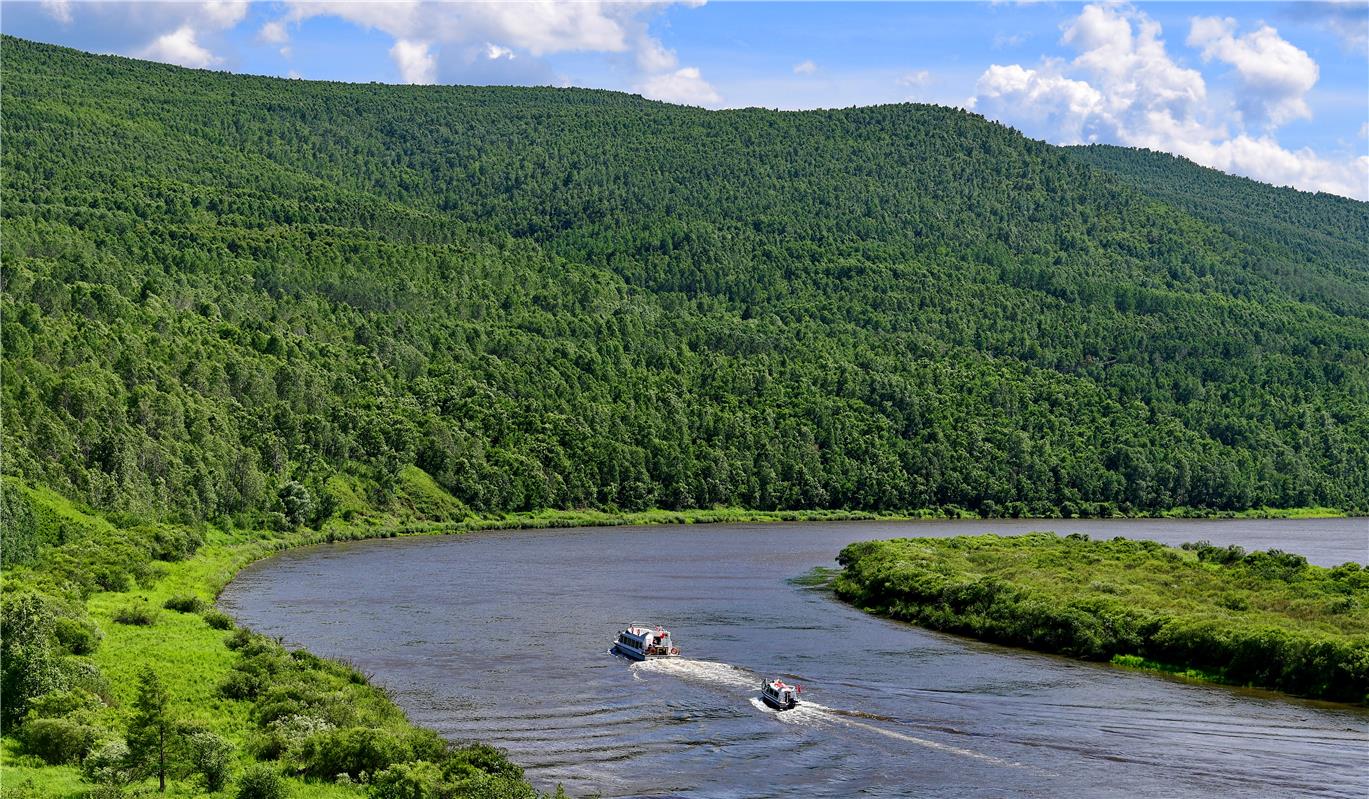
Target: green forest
[257, 301]
[1266, 619]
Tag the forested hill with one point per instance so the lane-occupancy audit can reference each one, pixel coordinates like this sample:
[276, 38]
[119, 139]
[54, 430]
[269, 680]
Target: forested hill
[247, 299]
[1313, 242]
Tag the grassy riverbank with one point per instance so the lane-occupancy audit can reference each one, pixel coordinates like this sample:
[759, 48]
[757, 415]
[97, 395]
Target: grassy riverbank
[100, 602]
[1266, 619]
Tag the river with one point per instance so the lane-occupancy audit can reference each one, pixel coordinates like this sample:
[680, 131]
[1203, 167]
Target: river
[503, 637]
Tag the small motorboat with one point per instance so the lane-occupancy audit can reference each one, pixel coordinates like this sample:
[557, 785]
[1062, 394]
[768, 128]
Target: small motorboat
[780, 695]
[645, 642]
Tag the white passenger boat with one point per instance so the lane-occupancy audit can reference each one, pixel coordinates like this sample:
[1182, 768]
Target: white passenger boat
[780, 695]
[642, 642]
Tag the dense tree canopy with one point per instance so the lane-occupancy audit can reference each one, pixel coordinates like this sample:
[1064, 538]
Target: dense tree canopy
[248, 299]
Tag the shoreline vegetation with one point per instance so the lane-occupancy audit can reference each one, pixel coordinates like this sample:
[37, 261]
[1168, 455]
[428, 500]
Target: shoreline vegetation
[97, 603]
[1216, 614]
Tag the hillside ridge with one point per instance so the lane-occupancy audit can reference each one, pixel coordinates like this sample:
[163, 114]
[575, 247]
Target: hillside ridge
[222, 291]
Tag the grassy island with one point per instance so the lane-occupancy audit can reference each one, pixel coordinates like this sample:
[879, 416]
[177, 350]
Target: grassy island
[1266, 619]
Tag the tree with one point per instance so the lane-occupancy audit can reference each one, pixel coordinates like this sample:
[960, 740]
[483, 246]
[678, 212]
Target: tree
[151, 725]
[29, 660]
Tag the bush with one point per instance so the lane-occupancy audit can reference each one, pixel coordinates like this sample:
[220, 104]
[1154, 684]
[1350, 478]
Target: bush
[185, 603]
[217, 619]
[482, 758]
[261, 782]
[64, 704]
[351, 751]
[241, 685]
[165, 542]
[79, 637]
[57, 741]
[240, 638]
[136, 615]
[86, 676]
[24, 790]
[110, 764]
[416, 780]
[210, 756]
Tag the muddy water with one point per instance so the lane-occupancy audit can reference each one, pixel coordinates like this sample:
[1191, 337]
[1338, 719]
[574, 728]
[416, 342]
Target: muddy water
[502, 637]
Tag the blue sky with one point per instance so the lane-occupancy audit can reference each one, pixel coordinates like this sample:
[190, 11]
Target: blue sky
[1275, 91]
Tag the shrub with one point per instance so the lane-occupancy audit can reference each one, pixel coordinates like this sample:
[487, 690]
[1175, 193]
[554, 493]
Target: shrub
[165, 542]
[56, 740]
[136, 615]
[484, 758]
[353, 751]
[241, 685]
[284, 734]
[79, 637]
[210, 756]
[217, 619]
[416, 780]
[261, 782]
[240, 638]
[110, 764]
[63, 704]
[86, 676]
[185, 603]
[24, 790]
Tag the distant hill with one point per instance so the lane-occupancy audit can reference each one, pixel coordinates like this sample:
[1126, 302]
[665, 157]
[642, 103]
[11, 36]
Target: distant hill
[250, 299]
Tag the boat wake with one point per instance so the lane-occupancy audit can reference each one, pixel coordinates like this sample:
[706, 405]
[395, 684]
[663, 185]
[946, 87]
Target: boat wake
[807, 713]
[705, 671]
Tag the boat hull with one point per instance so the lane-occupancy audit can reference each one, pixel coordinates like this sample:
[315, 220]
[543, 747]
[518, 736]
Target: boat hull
[637, 654]
[777, 704]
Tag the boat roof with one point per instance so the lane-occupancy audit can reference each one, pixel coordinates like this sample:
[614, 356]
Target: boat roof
[639, 629]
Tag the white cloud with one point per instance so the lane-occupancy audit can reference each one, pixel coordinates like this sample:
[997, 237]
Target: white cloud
[806, 67]
[1069, 107]
[273, 33]
[1348, 20]
[59, 10]
[652, 56]
[1123, 87]
[415, 63]
[494, 52]
[1002, 41]
[457, 34]
[919, 78]
[1265, 159]
[224, 13]
[179, 47]
[685, 86]
[1274, 74]
[184, 33]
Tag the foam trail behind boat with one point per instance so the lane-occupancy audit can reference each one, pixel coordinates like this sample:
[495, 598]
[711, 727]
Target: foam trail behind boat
[899, 736]
[705, 671]
[806, 713]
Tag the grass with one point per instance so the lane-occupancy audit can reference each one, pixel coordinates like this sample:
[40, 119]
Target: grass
[1219, 614]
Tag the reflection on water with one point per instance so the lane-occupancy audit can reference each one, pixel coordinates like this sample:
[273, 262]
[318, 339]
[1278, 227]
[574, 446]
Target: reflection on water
[502, 637]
